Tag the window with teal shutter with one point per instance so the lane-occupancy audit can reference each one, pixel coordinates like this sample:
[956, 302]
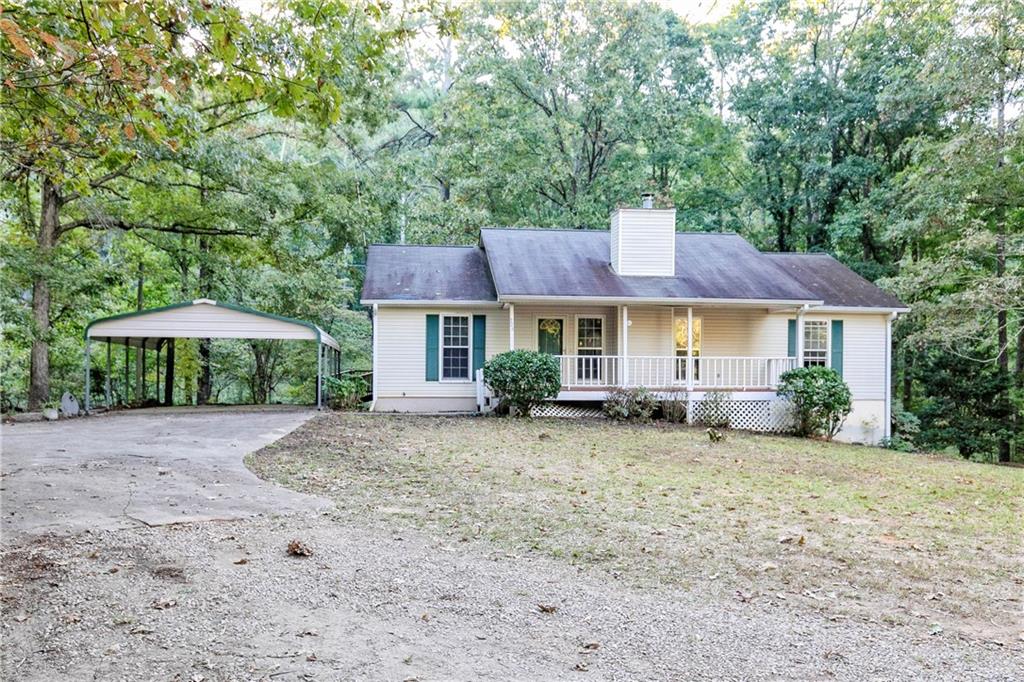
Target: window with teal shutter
[432, 351]
[791, 339]
[837, 346]
[479, 342]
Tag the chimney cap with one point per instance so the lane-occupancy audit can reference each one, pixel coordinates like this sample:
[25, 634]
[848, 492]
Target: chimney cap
[647, 200]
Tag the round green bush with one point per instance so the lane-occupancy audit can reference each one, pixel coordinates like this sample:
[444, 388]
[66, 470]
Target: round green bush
[523, 378]
[820, 399]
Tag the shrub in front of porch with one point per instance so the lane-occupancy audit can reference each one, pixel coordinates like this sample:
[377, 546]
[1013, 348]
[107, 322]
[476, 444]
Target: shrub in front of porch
[820, 398]
[629, 404]
[523, 378]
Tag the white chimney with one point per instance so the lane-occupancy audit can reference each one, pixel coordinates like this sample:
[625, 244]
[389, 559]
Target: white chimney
[643, 240]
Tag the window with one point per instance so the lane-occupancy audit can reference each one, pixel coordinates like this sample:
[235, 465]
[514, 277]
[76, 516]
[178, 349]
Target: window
[681, 339]
[590, 335]
[815, 343]
[455, 347]
[589, 342]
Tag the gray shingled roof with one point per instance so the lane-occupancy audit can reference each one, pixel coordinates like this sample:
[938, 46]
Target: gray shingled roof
[529, 262]
[833, 282]
[431, 273]
[568, 263]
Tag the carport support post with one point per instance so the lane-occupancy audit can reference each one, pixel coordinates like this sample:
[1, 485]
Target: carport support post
[88, 372]
[319, 374]
[127, 388]
[156, 386]
[169, 375]
[108, 374]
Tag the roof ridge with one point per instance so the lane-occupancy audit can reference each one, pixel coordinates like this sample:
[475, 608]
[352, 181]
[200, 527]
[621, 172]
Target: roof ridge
[799, 253]
[422, 246]
[590, 229]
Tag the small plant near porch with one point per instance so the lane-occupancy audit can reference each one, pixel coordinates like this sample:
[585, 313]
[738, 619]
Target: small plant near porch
[820, 398]
[523, 378]
[629, 404]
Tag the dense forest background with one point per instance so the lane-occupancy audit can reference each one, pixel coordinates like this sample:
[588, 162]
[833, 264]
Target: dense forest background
[168, 150]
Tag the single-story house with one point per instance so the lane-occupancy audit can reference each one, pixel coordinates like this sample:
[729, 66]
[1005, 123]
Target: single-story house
[639, 304]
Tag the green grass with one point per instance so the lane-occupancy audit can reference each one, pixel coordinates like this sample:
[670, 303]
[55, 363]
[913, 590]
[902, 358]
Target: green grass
[850, 530]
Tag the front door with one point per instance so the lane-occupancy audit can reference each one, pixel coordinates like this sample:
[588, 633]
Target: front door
[549, 335]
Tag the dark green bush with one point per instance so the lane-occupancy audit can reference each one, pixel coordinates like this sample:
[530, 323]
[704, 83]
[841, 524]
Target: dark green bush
[629, 404]
[820, 399]
[523, 378]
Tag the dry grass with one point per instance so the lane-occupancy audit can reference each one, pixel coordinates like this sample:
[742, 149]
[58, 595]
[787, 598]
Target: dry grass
[852, 531]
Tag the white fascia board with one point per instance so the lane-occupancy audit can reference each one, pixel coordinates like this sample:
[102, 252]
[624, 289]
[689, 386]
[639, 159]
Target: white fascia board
[606, 300]
[856, 309]
[433, 302]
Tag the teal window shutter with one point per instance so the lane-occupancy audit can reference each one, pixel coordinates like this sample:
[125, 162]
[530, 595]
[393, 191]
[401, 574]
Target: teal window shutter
[479, 342]
[432, 347]
[837, 346]
[791, 341]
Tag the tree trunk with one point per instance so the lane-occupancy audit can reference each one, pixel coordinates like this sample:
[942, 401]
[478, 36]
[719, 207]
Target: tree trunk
[206, 291]
[46, 239]
[908, 379]
[139, 352]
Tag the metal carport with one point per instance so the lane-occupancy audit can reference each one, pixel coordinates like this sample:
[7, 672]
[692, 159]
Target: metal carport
[203, 318]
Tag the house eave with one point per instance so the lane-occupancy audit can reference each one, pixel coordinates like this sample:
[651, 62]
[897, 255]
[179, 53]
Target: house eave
[627, 300]
[421, 302]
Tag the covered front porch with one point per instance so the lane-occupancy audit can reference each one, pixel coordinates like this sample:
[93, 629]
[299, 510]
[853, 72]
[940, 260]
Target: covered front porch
[665, 348]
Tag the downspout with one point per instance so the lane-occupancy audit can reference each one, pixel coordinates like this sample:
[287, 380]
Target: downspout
[887, 426]
[373, 331]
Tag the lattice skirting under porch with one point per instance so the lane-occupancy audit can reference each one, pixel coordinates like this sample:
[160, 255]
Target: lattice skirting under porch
[769, 416]
[567, 411]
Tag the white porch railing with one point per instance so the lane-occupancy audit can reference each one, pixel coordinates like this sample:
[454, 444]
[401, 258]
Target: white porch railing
[670, 372]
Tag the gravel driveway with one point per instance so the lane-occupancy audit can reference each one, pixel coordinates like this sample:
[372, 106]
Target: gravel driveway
[225, 601]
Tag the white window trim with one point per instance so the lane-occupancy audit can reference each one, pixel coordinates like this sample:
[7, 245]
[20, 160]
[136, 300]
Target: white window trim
[828, 342]
[696, 319]
[536, 328]
[576, 335]
[441, 347]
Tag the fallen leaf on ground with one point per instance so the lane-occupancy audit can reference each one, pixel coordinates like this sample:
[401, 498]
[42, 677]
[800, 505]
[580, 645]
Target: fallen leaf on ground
[299, 548]
[161, 604]
[547, 608]
[242, 562]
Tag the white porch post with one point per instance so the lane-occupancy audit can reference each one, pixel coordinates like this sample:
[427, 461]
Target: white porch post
[689, 365]
[511, 326]
[625, 345]
[800, 336]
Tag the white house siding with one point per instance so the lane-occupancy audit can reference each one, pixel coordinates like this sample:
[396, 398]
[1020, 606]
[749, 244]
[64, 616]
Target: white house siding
[643, 241]
[863, 367]
[401, 361]
[526, 325]
[400, 366]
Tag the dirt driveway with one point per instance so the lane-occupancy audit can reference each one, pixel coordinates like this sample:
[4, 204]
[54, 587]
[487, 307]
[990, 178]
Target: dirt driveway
[380, 600]
[145, 467]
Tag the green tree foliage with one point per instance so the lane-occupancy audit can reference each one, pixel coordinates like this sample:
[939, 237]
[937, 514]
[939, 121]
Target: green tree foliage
[820, 399]
[523, 379]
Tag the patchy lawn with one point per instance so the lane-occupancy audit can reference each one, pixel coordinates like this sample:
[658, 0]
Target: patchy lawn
[851, 531]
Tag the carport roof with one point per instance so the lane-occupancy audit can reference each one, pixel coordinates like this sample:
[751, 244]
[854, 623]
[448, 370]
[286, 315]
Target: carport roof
[202, 319]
